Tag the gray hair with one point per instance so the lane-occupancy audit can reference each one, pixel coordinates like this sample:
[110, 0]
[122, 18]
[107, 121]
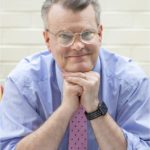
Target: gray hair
[75, 5]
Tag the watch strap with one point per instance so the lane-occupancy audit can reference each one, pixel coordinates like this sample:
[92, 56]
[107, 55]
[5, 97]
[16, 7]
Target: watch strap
[101, 111]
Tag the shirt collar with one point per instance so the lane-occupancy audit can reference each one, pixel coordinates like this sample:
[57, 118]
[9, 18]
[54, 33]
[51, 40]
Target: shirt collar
[59, 77]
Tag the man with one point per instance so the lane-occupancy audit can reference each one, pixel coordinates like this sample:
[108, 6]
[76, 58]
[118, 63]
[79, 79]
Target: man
[45, 90]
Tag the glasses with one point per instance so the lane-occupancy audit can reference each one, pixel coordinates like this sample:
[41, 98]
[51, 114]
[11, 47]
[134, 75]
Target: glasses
[67, 38]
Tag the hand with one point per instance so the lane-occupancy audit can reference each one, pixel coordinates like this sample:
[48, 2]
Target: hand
[89, 82]
[71, 95]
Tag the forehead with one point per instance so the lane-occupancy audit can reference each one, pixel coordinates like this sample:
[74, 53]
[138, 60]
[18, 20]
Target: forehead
[62, 18]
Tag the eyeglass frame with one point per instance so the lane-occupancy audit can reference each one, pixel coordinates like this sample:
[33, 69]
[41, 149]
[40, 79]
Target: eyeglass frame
[74, 35]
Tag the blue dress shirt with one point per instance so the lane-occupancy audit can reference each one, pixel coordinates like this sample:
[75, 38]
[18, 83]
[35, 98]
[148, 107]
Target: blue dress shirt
[33, 92]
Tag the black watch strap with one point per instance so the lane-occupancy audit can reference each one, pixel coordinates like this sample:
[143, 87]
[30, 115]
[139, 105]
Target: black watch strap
[101, 111]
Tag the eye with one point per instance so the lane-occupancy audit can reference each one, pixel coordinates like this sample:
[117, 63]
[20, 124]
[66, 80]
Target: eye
[87, 35]
[65, 37]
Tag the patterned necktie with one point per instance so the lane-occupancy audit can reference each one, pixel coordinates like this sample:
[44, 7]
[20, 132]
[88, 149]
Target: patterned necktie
[78, 131]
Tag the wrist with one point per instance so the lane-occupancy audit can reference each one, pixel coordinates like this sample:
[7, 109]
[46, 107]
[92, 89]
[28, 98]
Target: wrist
[68, 108]
[100, 111]
[92, 107]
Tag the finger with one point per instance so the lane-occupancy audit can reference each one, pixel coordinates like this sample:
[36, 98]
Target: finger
[73, 87]
[92, 74]
[78, 74]
[76, 80]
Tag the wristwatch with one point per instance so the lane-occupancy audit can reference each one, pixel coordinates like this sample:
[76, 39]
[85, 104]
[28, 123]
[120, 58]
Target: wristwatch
[101, 111]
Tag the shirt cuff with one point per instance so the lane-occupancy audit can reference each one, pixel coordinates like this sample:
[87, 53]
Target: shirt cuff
[134, 142]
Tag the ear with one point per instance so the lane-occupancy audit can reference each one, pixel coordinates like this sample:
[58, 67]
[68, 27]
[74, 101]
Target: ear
[46, 39]
[100, 30]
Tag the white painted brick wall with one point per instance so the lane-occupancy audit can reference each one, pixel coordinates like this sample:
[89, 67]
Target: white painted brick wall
[126, 30]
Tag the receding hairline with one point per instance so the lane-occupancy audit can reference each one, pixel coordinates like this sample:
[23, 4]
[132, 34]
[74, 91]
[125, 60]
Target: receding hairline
[80, 5]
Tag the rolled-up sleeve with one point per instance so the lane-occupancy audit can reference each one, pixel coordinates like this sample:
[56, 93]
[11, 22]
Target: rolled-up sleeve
[134, 115]
[18, 115]
[135, 143]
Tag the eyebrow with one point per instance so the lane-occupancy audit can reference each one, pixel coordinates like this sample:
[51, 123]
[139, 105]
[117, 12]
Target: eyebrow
[70, 31]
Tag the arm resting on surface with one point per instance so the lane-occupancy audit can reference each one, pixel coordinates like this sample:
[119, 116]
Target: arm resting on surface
[49, 135]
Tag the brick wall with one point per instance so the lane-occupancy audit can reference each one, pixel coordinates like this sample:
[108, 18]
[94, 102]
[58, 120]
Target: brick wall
[126, 30]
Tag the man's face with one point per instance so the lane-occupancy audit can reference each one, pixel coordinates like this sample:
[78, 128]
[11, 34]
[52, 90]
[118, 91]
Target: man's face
[80, 56]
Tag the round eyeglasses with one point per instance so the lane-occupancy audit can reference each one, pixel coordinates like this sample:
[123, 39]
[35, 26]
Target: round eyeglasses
[67, 38]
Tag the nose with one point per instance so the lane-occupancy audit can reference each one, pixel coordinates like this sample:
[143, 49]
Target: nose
[77, 44]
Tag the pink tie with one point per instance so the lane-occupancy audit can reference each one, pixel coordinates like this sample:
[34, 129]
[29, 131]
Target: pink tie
[78, 131]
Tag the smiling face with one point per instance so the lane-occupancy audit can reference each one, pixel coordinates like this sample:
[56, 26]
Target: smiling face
[80, 56]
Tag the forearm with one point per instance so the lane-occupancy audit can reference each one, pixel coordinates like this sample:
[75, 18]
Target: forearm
[49, 135]
[108, 134]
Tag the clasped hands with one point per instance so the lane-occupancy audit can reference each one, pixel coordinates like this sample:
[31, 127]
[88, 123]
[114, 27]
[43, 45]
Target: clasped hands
[81, 89]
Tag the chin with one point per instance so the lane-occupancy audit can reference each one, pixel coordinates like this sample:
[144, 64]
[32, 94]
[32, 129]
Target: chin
[79, 69]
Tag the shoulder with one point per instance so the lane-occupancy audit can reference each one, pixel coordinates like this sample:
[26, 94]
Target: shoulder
[121, 68]
[123, 79]
[123, 74]
[34, 68]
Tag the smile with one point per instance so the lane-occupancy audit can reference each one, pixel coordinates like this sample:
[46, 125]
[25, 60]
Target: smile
[82, 55]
